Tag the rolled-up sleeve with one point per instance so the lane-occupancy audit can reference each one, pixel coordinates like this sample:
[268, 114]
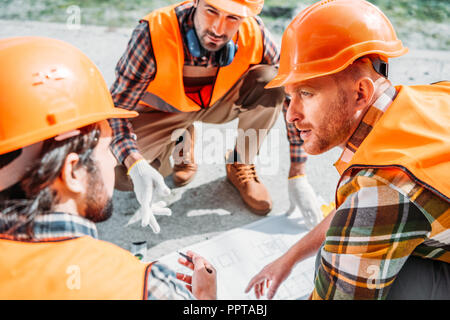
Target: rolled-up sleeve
[134, 71]
[162, 284]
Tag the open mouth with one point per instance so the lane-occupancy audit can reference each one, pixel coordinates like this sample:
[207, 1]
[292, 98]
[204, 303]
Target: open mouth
[304, 134]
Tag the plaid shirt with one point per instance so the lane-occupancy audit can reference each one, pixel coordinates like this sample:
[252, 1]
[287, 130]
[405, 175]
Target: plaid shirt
[137, 68]
[162, 283]
[384, 218]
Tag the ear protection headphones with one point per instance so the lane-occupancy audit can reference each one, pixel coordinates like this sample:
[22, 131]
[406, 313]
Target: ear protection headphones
[225, 55]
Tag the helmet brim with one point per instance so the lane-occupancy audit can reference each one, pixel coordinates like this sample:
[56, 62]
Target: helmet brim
[232, 7]
[44, 134]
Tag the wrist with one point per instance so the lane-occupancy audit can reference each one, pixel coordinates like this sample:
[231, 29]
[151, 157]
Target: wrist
[207, 297]
[297, 169]
[131, 159]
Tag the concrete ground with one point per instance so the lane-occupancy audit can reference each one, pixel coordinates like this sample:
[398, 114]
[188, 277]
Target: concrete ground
[209, 205]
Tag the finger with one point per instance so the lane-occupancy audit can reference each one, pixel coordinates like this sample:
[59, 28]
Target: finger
[149, 219]
[257, 291]
[291, 208]
[186, 263]
[191, 254]
[146, 213]
[154, 224]
[261, 289]
[273, 289]
[200, 263]
[184, 277]
[309, 219]
[306, 214]
[146, 206]
[159, 204]
[162, 211]
[196, 258]
[147, 196]
[161, 187]
[136, 217]
[256, 279]
[160, 208]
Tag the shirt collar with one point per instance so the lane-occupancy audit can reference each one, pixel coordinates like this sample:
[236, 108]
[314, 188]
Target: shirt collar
[373, 114]
[59, 225]
[188, 22]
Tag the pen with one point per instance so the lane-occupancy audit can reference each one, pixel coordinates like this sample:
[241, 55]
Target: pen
[190, 260]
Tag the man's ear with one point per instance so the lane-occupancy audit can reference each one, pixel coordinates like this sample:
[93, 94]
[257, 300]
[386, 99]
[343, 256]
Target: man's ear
[365, 90]
[73, 178]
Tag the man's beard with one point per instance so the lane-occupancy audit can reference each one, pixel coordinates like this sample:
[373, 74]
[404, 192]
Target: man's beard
[212, 47]
[99, 206]
[331, 137]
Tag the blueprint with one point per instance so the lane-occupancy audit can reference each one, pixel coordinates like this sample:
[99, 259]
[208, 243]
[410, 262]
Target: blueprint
[239, 254]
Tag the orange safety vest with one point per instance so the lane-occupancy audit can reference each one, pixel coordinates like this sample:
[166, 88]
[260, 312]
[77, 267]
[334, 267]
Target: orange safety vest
[167, 88]
[68, 269]
[413, 135]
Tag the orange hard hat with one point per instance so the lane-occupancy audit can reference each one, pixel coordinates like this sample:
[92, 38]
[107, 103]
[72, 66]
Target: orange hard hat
[48, 87]
[243, 8]
[329, 35]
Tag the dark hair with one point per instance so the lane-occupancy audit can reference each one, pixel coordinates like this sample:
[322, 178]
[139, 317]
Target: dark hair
[33, 196]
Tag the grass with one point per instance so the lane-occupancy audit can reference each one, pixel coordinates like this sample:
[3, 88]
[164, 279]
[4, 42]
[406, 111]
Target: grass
[420, 23]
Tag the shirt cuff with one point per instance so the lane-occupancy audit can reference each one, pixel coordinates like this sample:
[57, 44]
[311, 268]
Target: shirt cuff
[123, 147]
[298, 155]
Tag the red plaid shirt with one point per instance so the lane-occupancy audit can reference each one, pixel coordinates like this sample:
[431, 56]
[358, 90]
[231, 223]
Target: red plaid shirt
[137, 68]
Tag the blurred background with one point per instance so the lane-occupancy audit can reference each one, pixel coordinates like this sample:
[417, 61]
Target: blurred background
[421, 24]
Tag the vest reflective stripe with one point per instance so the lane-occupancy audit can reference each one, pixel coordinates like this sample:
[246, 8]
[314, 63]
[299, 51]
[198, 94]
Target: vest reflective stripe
[412, 135]
[79, 268]
[167, 88]
[153, 101]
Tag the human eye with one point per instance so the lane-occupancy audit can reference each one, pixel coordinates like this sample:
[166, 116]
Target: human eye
[211, 11]
[305, 93]
[233, 18]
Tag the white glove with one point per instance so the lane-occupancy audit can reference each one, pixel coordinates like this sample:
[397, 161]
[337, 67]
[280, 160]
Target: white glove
[303, 197]
[146, 180]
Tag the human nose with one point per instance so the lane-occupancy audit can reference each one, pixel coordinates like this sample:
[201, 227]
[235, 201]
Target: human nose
[294, 111]
[219, 27]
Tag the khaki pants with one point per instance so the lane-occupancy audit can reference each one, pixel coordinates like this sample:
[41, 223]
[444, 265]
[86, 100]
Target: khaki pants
[255, 107]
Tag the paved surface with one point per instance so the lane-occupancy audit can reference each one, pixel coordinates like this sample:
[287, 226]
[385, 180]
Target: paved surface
[210, 205]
